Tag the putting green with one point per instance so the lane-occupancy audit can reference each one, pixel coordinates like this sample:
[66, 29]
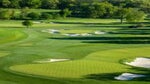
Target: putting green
[95, 63]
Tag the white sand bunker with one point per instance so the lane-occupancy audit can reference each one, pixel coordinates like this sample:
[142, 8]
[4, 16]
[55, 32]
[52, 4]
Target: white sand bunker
[86, 34]
[128, 76]
[140, 62]
[99, 32]
[51, 22]
[36, 22]
[53, 60]
[72, 35]
[52, 31]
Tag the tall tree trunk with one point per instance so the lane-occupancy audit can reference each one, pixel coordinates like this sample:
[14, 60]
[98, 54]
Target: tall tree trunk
[121, 19]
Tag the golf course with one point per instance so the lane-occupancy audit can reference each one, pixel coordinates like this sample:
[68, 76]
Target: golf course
[26, 54]
[74, 41]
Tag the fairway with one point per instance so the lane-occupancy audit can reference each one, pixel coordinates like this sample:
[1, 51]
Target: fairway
[91, 59]
[101, 62]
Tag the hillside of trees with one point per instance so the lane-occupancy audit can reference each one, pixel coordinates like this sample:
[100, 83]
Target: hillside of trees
[121, 9]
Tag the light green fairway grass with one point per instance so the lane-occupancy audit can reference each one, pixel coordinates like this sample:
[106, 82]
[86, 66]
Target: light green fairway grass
[96, 63]
[10, 35]
[3, 54]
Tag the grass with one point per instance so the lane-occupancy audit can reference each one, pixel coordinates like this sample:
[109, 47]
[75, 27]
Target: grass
[96, 63]
[94, 60]
[8, 36]
[3, 54]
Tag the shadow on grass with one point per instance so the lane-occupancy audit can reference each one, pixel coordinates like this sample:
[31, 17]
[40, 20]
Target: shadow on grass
[132, 32]
[119, 42]
[110, 76]
[114, 40]
[104, 38]
[106, 26]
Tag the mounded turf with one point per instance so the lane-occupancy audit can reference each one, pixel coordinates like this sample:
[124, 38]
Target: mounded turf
[100, 62]
[94, 60]
[10, 35]
[3, 54]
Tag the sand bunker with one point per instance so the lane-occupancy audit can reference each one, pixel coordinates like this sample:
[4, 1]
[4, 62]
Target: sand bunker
[140, 62]
[52, 31]
[72, 35]
[99, 32]
[36, 22]
[128, 76]
[51, 22]
[53, 60]
[86, 34]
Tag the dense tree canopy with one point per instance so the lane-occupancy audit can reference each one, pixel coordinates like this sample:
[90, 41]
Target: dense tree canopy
[79, 8]
[135, 15]
[62, 4]
[49, 4]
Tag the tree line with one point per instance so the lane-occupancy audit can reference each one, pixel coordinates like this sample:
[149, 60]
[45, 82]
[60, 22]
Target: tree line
[129, 10]
[61, 4]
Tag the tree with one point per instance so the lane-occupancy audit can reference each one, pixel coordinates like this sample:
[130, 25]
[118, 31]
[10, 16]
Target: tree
[49, 4]
[30, 3]
[63, 4]
[94, 10]
[46, 16]
[33, 15]
[65, 12]
[15, 3]
[24, 12]
[135, 16]
[6, 3]
[122, 13]
[27, 23]
[6, 14]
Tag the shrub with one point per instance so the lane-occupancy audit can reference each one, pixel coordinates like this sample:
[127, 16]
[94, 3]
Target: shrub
[135, 16]
[23, 13]
[65, 12]
[6, 14]
[137, 26]
[27, 23]
[56, 16]
[46, 16]
[133, 26]
[33, 15]
[140, 25]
